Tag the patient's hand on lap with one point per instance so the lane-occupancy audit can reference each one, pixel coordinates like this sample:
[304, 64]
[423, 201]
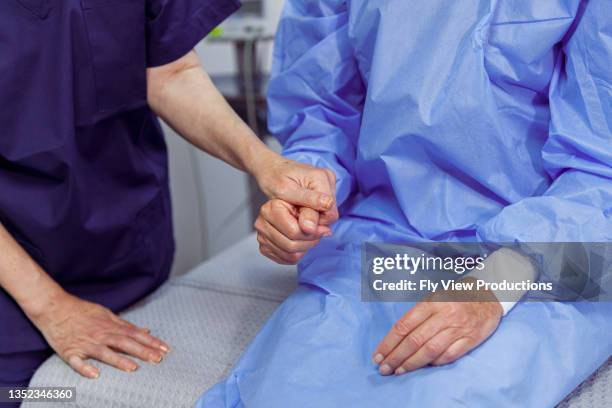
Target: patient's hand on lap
[438, 330]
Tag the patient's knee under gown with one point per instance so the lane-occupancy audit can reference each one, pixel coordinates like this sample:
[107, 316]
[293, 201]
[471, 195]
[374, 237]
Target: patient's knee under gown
[443, 121]
[315, 351]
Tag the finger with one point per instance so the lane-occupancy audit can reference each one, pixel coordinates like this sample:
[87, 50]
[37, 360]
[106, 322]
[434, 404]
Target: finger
[323, 230]
[329, 217]
[268, 233]
[81, 367]
[280, 215]
[125, 323]
[114, 359]
[308, 220]
[134, 348]
[331, 179]
[290, 258]
[430, 351]
[150, 341]
[456, 350]
[269, 254]
[410, 321]
[304, 197]
[414, 341]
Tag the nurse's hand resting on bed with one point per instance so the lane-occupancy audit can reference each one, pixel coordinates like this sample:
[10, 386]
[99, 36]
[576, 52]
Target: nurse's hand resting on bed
[438, 331]
[78, 330]
[297, 219]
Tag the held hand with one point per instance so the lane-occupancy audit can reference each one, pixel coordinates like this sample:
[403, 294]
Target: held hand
[438, 331]
[78, 330]
[280, 235]
[301, 209]
[302, 186]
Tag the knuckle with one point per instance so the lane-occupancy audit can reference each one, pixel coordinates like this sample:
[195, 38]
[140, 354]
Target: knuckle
[289, 258]
[292, 247]
[275, 204]
[96, 335]
[265, 210]
[450, 356]
[401, 327]
[460, 318]
[437, 362]
[293, 232]
[123, 343]
[395, 361]
[446, 308]
[92, 350]
[70, 352]
[432, 349]
[131, 332]
[320, 174]
[415, 341]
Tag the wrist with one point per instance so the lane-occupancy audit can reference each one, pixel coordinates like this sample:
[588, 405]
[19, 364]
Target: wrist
[43, 301]
[261, 162]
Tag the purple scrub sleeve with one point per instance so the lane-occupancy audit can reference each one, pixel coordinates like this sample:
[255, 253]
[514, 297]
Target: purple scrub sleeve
[83, 162]
[170, 35]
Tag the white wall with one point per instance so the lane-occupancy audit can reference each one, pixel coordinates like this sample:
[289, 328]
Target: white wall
[210, 203]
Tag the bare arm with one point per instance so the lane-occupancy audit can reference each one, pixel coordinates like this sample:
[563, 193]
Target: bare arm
[303, 204]
[76, 329]
[22, 278]
[183, 95]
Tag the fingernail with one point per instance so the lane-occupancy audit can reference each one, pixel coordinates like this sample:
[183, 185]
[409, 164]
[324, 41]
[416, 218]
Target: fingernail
[400, 371]
[91, 373]
[326, 202]
[156, 359]
[385, 369]
[164, 348]
[378, 358]
[327, 234]
[310, 224]
[131, 369]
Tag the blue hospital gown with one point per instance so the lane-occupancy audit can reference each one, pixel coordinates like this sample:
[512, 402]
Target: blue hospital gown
[443, 121]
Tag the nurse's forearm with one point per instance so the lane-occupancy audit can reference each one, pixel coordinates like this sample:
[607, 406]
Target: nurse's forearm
[24, 280]
[183, 95]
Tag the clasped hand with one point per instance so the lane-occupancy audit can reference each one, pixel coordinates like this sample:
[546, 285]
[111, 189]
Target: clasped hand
[301, 209]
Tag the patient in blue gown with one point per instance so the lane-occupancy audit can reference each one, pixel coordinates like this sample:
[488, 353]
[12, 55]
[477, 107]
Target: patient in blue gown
[483, 121]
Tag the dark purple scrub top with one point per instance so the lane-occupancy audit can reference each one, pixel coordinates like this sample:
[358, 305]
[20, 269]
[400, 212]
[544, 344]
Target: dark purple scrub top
[83, 172]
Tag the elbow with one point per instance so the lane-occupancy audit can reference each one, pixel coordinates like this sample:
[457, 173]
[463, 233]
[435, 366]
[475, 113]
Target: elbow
[161, 80]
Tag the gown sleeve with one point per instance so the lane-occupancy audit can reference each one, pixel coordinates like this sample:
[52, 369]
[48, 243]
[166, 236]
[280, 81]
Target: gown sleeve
[576, 210]
[316, 93]
[174, 27]
[578, 152]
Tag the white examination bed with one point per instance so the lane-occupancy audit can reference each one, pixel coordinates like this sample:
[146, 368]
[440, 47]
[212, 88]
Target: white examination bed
[209, 316]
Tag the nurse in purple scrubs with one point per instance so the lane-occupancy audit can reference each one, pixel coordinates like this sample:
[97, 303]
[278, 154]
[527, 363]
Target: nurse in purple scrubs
[85, 226]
